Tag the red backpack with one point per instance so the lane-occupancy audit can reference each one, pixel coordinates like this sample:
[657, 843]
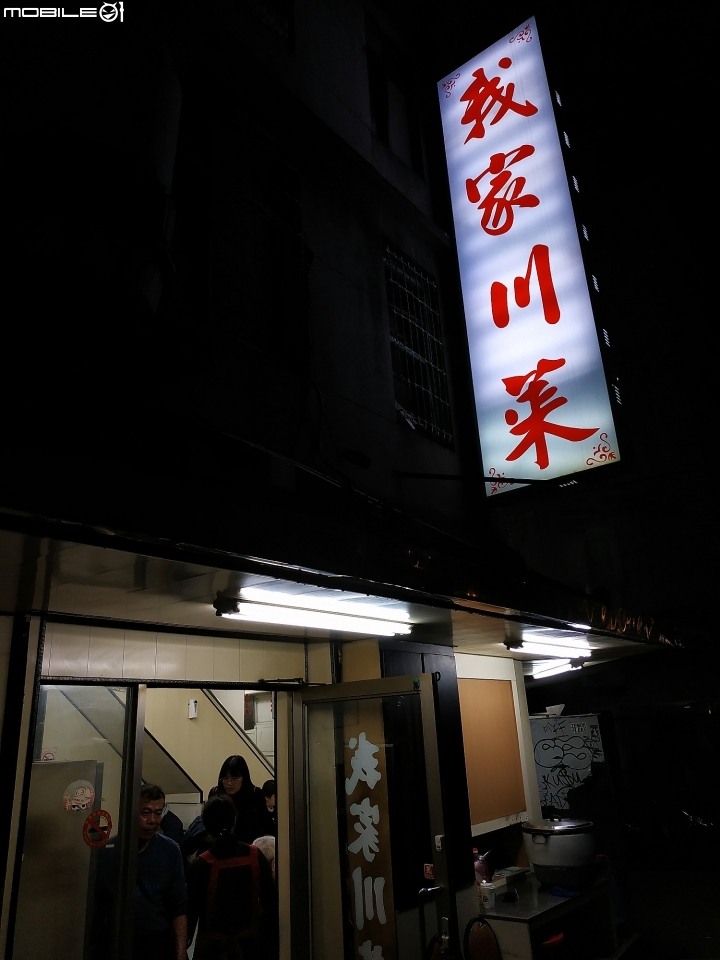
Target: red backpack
[229, 946]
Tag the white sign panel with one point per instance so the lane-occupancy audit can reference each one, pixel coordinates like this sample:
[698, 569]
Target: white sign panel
[542, 402]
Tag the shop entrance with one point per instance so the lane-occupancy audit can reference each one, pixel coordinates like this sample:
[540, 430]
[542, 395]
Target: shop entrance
[369, 870]
[360, 818]
[94, 746]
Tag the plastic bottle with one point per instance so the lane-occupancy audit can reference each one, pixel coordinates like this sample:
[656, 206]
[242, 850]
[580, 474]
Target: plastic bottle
[486, 894]
[482, 871]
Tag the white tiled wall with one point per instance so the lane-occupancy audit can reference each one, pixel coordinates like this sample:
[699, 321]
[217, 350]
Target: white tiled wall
[89, 651]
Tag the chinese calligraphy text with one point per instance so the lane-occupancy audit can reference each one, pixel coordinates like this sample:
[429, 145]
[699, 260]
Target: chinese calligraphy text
[483, 96]
[505, 191]
[532, 389]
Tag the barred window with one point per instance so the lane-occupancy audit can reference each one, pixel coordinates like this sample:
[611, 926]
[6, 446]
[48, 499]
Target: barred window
[277, 15]
[418, 361]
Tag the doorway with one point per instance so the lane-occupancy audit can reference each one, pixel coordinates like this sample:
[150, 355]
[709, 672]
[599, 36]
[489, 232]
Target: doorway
[94, 746]
[352, 863]
[370, 874]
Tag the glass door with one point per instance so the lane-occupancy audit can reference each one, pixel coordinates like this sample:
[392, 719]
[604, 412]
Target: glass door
[73, 880]
[370, 879]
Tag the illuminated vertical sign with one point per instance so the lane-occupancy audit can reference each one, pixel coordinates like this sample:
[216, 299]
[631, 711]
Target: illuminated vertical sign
[540, 393]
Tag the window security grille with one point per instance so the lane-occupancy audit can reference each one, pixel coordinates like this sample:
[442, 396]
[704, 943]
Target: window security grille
[277, 15]
[418, 361]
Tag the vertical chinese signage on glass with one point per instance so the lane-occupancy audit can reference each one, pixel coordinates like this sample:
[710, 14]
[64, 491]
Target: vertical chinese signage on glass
[540, 392]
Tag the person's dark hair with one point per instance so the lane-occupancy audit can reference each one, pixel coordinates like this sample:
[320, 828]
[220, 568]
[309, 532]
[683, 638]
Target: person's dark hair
[219, 817]
[151, 791]
[236, 766]
[269, 788]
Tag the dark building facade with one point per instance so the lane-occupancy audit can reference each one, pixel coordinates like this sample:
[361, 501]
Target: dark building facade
[235, 354]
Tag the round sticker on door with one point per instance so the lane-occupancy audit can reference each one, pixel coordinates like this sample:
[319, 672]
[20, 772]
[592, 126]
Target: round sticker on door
[97, 828]
[80, 795]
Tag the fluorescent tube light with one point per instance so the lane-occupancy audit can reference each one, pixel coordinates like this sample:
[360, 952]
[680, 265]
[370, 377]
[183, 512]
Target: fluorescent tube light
[314, 601]
[540, 666]
[554, 671]
[294, 617]
[553, 650]
[556, 639]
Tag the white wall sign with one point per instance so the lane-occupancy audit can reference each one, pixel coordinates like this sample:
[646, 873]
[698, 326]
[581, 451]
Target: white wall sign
[540, 393]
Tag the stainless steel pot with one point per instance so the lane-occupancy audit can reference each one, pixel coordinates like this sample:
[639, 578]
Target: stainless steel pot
[561, 851]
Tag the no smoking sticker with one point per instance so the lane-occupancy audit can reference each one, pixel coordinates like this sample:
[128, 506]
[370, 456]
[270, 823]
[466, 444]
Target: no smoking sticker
[97, 828]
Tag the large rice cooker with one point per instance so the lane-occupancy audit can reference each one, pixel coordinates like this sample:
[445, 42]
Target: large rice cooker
[561, 852]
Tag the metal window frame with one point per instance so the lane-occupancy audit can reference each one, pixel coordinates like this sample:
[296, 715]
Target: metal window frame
[423, 347]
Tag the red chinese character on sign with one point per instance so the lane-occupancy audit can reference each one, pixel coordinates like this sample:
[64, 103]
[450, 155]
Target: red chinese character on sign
[540, 256]
[534, 390]
[483, 94]
[504, 193]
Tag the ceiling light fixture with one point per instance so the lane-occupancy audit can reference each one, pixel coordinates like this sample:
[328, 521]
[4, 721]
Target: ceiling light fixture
[555, 650]
[314, 601]
[552, 632]
[312, 612]
[557, 638]
[552, 671]
[539, 666]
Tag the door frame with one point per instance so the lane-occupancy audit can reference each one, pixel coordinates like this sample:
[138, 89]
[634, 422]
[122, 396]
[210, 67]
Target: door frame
[130, 785]
[422, 686]
[127, 826]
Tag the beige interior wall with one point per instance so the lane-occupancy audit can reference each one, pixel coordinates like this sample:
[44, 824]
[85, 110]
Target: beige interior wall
[318, 661]
[110, 652]
[198, 745]
[361, 660]
[469, 667]
[234, 702]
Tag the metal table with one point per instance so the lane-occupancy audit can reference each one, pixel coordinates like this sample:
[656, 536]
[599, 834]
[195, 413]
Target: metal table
[585, 919]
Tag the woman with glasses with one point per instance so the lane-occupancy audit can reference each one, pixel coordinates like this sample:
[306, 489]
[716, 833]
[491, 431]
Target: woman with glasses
[251, 814]
[235, 784]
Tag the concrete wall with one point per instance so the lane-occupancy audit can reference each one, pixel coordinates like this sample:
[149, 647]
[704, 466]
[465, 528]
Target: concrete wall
[352, 193]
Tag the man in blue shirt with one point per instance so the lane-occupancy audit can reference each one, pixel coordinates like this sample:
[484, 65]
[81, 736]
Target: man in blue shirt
[160, 916]
[160, 892]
